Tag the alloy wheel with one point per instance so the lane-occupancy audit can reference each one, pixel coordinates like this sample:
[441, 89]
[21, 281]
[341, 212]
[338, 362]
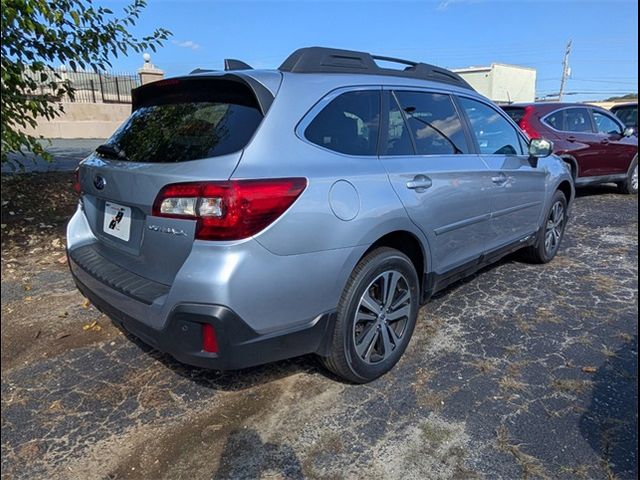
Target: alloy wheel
[382, 317]
[634, 179]
[555, 226]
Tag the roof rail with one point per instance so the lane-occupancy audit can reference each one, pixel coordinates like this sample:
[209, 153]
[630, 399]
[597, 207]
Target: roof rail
[331, 60]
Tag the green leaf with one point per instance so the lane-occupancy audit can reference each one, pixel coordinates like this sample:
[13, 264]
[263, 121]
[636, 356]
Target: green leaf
[38, 35]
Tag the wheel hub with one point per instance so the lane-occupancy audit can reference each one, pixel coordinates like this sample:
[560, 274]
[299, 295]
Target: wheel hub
[554, 228]
[382, 316]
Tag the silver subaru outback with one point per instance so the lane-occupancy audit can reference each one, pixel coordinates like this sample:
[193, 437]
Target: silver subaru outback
[245, 216]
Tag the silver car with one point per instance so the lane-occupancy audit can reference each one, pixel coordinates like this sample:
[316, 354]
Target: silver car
[245, 216]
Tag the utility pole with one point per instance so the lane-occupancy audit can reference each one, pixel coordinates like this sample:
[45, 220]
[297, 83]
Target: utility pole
[566, 70]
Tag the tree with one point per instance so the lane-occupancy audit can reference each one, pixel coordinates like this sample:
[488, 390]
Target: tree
[38, 35]
[628, 96]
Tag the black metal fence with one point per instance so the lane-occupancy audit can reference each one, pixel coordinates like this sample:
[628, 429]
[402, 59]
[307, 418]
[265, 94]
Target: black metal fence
[90, 87]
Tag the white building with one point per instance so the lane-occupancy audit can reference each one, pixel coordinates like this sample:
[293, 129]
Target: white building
[502, 83]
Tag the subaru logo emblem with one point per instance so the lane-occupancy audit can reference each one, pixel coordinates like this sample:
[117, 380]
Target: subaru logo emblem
[99, 182]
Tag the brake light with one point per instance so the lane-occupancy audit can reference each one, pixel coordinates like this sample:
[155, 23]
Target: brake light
[76, 180]
[229, 210]
[525, 123]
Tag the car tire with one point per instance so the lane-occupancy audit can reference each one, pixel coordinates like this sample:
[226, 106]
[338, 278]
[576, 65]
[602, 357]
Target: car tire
[630, 185]
[366, 344]
[551, 233]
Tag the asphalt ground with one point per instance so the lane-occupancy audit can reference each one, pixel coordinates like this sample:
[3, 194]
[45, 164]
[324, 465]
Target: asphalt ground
[521, 371]
[67, 153]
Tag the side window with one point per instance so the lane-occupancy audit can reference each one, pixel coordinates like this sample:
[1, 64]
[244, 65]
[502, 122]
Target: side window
[433, 122]
[606, 124]
[555, 120]
[348, 124]
[398, 138]
[577, 120]
[495, 135]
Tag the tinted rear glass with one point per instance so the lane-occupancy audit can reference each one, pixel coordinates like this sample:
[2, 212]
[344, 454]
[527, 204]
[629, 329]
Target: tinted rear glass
[555, 120]
[516, 113]
[349, 124]
[179, 121]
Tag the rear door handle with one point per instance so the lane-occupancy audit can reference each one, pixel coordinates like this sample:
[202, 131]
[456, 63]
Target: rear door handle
[604, 141]
[419, 183]
[571, 138]
[500, 179]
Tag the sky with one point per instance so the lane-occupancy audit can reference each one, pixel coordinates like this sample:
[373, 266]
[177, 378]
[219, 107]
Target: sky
[448, 33]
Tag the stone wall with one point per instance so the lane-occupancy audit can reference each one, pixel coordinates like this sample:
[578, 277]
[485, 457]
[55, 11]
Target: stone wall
[93, 120]
[83, 120]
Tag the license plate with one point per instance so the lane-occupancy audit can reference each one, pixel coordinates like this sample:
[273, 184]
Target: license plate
[117, 220]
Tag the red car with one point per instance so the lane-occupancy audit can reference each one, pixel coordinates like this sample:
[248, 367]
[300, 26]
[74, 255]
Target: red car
[593, 141]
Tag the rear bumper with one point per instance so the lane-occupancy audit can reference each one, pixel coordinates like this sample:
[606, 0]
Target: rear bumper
[239, 346]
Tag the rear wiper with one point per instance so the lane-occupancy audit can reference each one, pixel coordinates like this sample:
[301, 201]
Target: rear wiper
[111, 150]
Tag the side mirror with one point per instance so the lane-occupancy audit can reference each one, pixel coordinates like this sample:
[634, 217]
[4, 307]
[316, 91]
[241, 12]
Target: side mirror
[629, 132]
[540, 148]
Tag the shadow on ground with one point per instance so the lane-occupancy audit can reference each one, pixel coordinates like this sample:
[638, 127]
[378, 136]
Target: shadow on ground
[592, 190]
[245, 455]
[611, 423]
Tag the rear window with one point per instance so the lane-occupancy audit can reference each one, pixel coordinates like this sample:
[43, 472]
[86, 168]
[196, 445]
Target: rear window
[516, 113]
[177, 121]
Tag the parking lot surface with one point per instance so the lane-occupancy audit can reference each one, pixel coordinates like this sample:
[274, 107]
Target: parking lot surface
[66, 152]
[521, 371]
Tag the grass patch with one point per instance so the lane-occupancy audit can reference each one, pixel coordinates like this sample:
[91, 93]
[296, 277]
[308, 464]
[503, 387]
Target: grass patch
[567, 385]
[511, 384]
[435, 435]
[531, 466]
[485, 365]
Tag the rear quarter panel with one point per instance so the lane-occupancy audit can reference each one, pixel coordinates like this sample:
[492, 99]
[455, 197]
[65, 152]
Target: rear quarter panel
[311, 224]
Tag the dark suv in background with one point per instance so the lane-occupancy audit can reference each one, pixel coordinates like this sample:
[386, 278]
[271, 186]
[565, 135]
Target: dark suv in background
[594, 142]
[628, 113]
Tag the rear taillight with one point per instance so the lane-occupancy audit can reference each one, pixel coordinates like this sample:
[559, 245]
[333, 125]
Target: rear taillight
[229, 210]
[525, 123]
[76, 180]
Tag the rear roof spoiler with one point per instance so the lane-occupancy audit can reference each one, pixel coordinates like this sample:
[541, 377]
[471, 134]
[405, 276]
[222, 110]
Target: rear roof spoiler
[145, 93]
